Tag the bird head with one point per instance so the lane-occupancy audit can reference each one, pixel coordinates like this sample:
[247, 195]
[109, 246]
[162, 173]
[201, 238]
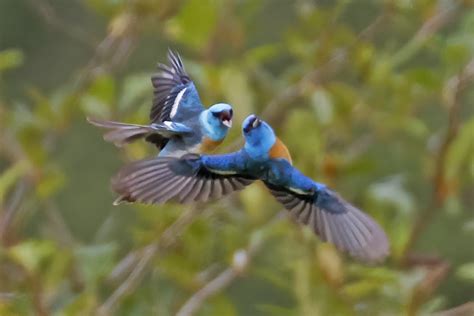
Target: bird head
[259, 136]
[217, 120]
[221, 114]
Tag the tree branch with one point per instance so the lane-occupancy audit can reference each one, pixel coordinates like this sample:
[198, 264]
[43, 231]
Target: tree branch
[166, 240]
[45, 10]
[451, 97]
[240, 263]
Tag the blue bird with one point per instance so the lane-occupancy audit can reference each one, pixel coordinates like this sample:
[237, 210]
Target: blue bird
[263, 157]
[179, 122]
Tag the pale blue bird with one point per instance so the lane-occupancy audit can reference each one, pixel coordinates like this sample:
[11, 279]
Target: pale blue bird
[179, 122]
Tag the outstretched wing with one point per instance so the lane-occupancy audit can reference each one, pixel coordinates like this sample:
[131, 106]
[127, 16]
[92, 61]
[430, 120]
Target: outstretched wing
[175, 96]
[184, 180]
[335, 221]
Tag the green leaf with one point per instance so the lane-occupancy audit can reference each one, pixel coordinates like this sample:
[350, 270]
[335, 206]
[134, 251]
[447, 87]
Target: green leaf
[461, 152]
[10, 58]
[95, 261]
[11, 175]
[52, 181]
[466, 272]
[135, 88]
[186, 29]
[32, 254]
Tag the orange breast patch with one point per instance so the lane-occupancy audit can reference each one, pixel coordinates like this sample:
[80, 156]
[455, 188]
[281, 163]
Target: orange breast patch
[208, 145]
[279, 150]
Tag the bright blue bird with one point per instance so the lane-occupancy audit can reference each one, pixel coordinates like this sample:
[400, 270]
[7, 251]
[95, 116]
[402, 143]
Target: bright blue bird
[263, 157]
[179, 122]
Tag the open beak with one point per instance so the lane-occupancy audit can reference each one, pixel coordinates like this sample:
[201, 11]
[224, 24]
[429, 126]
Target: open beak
[227, 123]
[226, 118]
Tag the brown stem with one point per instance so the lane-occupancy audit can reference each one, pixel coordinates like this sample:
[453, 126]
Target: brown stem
[161, 244]
[452, 93]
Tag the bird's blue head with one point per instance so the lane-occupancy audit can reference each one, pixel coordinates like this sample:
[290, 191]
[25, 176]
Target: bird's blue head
[217, 120]
[259, 137]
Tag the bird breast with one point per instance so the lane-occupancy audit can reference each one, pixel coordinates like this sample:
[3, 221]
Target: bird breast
[279, 150]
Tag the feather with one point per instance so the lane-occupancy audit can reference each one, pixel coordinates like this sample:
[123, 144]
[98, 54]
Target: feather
[336, 221]
[162, 179]
[170, 89]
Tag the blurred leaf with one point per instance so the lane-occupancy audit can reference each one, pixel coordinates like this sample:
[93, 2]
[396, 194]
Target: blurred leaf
[184, 28]
[100, 97]
[393, 191]
[237, 91]
[330, 264]
[50, 183]
[83, 304]
[461, 152]
[10, 58]
[219, 306]
[32, 254]
[106, 7]
[10, 176]
[135, 88]
[466, 271]
[323, 106]
[95, 261]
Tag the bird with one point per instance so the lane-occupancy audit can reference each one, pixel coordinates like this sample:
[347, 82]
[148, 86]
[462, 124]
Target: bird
[264, 157]
[179, 122]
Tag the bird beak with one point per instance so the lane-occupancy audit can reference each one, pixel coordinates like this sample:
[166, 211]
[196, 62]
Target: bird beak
[226, 118]
[253, 122]
[256, 122]
[227, 123]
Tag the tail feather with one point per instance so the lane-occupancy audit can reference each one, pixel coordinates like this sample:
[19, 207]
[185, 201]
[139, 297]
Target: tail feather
[123, 133]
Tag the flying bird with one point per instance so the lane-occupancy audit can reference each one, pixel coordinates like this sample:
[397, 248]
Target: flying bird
[179, 122]
[263, 157]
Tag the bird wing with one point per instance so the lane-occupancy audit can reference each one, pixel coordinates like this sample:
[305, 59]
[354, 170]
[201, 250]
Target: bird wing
[335, 221]
[123, 133]
[175, 95]
[184, 180]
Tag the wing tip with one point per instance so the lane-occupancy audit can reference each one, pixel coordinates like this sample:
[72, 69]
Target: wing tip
[376, 250]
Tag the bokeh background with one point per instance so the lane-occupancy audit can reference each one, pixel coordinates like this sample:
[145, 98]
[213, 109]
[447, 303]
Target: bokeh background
[374, 98]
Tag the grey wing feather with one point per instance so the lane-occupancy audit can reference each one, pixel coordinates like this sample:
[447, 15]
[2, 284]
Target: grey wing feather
[162, 179]
[338, 222]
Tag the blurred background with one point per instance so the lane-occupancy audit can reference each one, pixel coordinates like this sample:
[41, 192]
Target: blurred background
[373, 98]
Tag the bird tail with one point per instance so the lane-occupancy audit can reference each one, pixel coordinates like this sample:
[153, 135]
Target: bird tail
[122, 133]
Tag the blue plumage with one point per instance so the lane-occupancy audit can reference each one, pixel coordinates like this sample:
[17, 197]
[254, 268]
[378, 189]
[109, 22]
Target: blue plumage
[176, 110]
[263, 157]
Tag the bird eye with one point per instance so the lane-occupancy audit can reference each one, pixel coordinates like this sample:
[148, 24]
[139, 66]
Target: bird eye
[231, 112]
[215, 114]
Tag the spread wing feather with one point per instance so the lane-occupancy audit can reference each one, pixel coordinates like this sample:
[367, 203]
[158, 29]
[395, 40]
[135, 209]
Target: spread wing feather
[336, 221]
[169, 84]
[184, 180]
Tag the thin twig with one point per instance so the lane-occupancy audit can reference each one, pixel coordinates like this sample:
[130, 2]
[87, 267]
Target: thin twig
[446, 12]
[452, 93]
[50, 16]
[167, 239]
[240, 263]
[275, 110]
[10, 211]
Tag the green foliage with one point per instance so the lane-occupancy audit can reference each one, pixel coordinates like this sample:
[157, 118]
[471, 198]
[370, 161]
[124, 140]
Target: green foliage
[372, 98]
